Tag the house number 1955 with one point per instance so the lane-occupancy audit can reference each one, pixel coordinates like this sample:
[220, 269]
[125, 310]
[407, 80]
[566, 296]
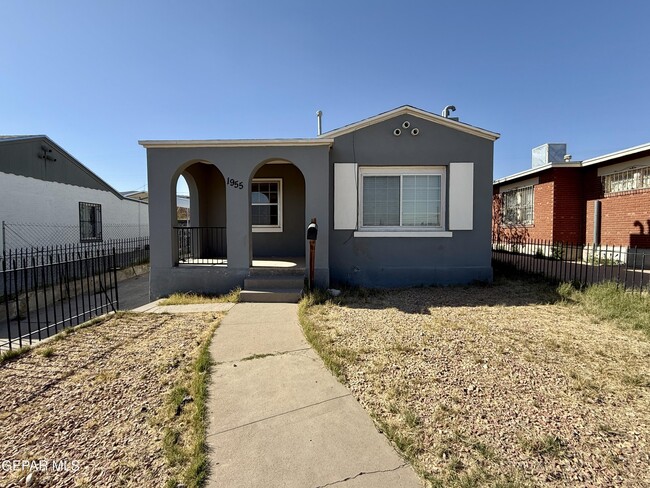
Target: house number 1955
[236, 184]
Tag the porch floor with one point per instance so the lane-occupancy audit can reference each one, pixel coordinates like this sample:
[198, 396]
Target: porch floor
[270, 262]
[273, 262]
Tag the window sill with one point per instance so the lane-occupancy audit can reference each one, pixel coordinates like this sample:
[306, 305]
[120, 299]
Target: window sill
[267, 229]
[402, 233]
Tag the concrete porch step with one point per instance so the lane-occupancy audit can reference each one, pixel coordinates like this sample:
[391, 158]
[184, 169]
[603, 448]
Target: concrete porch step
[273, 282]
[257, 271]
[272, 295]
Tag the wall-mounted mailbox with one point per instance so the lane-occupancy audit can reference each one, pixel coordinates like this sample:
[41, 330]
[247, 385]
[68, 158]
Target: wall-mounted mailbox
[312, 231]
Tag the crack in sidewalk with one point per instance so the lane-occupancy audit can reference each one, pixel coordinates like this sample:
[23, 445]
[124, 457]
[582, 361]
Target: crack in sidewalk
[279, 415]
[261, 356]
[350, 478]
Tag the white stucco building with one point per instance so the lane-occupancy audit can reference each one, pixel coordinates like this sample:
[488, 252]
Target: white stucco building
[47, 197]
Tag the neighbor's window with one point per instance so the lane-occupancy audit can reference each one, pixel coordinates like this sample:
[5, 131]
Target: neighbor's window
[402, 197]
[518, 205]
[266, 199]
[628, 180]
[90, 222]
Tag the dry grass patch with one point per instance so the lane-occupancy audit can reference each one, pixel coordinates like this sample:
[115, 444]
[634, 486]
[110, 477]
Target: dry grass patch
[105, 398]
[503, 385]
[193, 298]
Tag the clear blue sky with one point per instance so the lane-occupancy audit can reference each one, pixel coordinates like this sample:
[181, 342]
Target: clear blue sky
[97, 76]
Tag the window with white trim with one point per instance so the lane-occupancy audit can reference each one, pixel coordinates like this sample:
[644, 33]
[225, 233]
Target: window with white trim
[627, 180]
[266, 201]
[90, 222]
[518, 206]
[402, 198]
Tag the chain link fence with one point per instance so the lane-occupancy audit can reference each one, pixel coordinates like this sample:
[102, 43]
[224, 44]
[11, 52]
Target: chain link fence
[34, 235]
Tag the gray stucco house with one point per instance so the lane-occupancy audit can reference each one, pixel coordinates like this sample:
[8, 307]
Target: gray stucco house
[401, 198]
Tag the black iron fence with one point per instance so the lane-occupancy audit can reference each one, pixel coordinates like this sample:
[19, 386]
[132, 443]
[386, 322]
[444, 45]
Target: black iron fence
[201, 245]
[45, 292]
[128, 252]
[580, 264]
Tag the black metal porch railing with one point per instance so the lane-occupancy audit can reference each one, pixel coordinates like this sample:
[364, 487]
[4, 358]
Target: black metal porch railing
[584, 264]
[201, 245]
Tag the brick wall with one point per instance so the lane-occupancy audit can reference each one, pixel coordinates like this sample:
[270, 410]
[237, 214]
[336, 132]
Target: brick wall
[619, 214]
[543, 217]
[568, 206]
[542, 228]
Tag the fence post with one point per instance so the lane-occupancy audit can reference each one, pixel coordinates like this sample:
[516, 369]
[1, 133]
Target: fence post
[6, 294]
[117, 298]
[26, 288]
[16, 285]
[642, 270]
[634, 268]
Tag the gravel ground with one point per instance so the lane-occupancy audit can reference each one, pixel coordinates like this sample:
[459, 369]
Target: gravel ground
[87, 410]
[499, 385]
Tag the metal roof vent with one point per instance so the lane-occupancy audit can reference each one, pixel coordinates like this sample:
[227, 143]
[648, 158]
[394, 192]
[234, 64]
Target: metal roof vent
[447, 110]
[548, 153]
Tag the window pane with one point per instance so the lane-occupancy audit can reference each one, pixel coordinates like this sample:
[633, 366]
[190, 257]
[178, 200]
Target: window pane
[257, 197]
[381, 200]
[264, 192]
[421, 200]
[265, 215]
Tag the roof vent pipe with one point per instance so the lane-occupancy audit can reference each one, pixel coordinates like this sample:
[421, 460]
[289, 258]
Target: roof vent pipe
[319, 116]
[447, 109]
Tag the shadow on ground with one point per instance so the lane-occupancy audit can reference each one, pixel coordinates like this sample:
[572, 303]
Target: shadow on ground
[507, 290]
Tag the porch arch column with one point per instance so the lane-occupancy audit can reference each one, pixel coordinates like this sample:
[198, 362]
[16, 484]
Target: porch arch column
[317, 198]
[238, 217]
[161, 170]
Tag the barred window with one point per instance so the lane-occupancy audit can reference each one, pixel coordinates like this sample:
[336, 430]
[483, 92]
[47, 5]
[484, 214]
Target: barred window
[90, 222]
[628, 180]
[518, 205]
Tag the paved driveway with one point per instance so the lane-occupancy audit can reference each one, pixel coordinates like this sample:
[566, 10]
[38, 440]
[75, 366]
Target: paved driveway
[133, 293]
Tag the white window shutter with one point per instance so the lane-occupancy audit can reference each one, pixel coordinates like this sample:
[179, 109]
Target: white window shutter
[345, 196]
[461, 196]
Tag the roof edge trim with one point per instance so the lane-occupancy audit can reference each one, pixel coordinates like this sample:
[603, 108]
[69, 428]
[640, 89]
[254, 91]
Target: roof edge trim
[410, 110]
[539, 169]
[617, 154]
[159, 144]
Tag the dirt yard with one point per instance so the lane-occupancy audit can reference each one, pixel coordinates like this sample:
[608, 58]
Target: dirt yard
[495, 386]
[90, 409]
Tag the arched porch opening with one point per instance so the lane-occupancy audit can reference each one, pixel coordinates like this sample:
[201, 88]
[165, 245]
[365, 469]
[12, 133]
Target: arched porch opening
[201, 238]
[277, 209]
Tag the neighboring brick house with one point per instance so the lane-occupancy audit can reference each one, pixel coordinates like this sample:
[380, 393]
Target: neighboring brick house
[557, 199]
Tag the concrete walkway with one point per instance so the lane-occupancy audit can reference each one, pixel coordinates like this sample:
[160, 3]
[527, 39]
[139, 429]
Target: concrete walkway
[278, 418]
